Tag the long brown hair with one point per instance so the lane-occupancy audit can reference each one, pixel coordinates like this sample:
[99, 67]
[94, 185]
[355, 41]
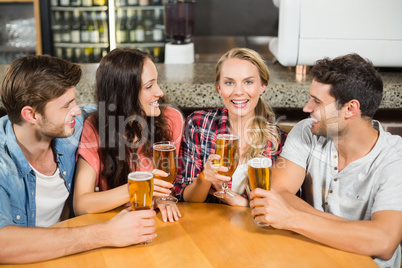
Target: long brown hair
[118, 84]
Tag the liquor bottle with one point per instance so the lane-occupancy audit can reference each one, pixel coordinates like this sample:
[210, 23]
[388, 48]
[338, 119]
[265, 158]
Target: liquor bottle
[139, 29]
[93, 28]
[148, 26]
[158, 27]
[84, 28]
[75, 3]
[64, 3]
[87, 3]
[66, 30]
[56, 27]
[132, 2]
[143, 2]
[103, 29]
[121, 26]
[131, 25]
[75, 27]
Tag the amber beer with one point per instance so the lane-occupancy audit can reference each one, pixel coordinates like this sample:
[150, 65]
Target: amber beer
[259, 173]
[164, 158]
[140, 188]
[260, 177]
[226, 146]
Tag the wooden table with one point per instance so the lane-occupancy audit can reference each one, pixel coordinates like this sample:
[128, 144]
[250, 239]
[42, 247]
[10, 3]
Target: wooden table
[210, 235]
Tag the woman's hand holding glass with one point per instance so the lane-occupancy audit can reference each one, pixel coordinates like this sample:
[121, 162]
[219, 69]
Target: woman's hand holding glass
[163, 189]
[211, 172]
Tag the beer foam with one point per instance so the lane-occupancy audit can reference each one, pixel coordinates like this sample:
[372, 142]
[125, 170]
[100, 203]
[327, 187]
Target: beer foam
[229, 137]
[140, 176]
[260, 162]
[164, 147]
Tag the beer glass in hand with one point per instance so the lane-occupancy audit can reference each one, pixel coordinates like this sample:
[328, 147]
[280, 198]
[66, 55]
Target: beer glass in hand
[227, 147]
[260, 177]
[141, 189]
[164, 158]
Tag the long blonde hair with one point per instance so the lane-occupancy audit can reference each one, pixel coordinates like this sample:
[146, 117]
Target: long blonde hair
[263, 125]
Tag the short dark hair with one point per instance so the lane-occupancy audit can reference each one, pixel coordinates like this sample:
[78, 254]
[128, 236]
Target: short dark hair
[351, 77]
[34, 81]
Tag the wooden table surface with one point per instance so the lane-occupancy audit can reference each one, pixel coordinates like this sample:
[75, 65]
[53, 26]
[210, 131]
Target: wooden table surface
[210, 235]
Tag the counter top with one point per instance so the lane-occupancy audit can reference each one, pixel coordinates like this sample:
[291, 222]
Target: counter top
[192, 86]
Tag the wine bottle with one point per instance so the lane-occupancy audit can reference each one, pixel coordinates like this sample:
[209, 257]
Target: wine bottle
[75, 3]
[75, 27]
[56, 27]
[93, 28]
[66, 30]
[87, 3]
[156, 2]
[121, 3]
[158, 28]
[99, 2]
[148, 26]
[103, 29]
[131, 25]
[84, 28]
[54, 3]
[139, 29]
[143, 2]
[64, 3]
[132, 2]
[121, 33]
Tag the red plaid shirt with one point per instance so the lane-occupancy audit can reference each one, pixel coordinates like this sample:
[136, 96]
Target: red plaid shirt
[198, 142]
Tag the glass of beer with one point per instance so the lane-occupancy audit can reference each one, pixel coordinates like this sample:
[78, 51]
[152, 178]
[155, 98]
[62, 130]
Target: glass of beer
[164, 158]
[141, 189]
[259, 175]
[227, 147]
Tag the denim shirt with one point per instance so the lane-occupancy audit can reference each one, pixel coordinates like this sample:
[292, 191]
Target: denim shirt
[17, 178]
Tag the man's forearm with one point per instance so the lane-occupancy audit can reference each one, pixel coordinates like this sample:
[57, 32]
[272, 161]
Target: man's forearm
[302, 205]
[33, 244]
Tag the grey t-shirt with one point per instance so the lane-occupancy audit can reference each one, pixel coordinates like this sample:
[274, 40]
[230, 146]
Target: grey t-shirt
[369, 184]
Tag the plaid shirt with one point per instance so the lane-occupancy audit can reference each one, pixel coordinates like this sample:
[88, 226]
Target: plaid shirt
[199, 138]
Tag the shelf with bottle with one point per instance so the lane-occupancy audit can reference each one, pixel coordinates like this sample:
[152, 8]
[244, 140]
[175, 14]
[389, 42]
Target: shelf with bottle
[77, 3]
[87, 9]
[139, 27]
[81, 54]
[140, 7]
[80, 28]
[137, 3]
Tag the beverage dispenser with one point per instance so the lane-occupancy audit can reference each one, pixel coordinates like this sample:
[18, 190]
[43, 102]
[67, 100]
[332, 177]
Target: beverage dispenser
[179, 27]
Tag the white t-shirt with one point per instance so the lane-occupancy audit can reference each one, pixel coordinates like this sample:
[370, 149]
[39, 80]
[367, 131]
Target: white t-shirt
[239, 179]
[51, 195]
[367, 185]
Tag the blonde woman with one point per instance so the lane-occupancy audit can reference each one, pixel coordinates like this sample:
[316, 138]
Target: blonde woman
[241, 78]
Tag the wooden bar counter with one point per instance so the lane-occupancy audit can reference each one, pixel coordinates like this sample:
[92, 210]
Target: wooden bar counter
[210, 235]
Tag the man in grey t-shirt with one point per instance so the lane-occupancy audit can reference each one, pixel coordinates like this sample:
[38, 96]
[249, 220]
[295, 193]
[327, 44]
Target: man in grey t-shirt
[348, 168]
